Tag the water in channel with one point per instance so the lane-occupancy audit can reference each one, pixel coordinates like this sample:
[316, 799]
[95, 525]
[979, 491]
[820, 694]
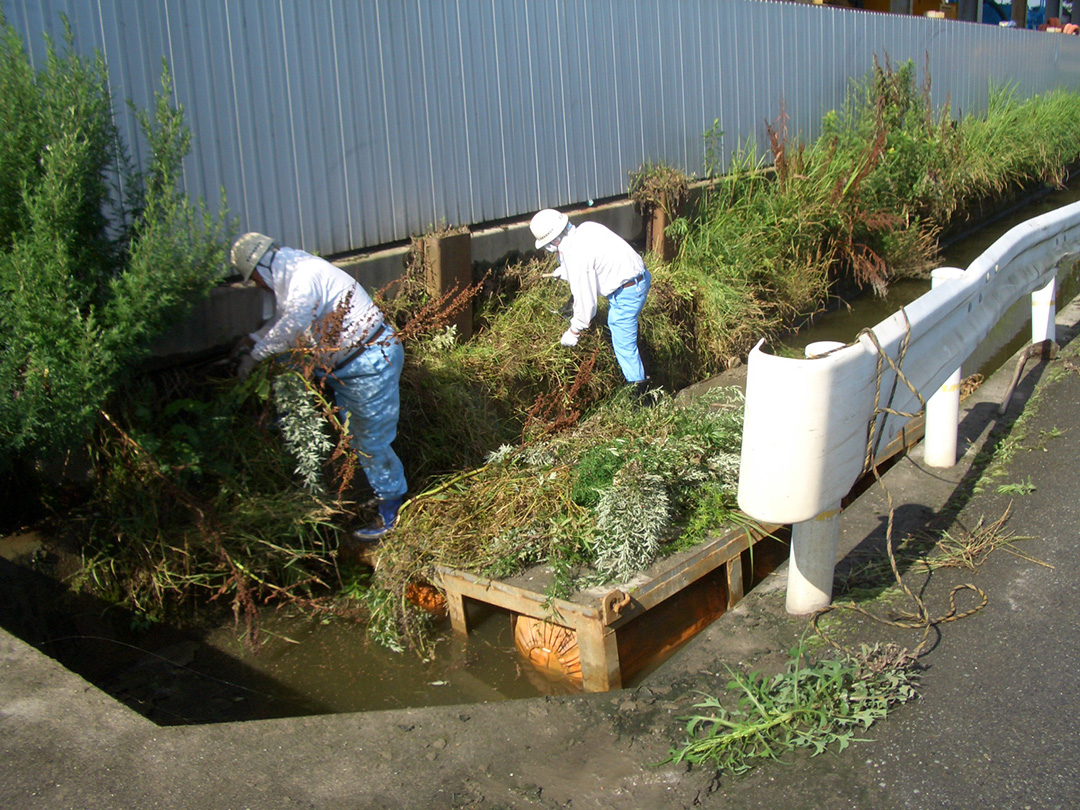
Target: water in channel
[312, 666]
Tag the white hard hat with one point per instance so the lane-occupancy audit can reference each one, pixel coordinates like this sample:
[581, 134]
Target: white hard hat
[547, 225]
[247, 252]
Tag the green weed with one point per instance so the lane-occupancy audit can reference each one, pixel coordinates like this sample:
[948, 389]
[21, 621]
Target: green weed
[815, 705]
[1019, 488]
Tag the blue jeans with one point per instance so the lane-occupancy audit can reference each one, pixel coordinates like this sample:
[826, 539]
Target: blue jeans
[624, 307]
[366, 389]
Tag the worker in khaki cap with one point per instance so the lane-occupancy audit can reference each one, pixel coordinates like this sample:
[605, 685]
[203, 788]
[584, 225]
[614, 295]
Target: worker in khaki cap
[598, 262]
[364, 368]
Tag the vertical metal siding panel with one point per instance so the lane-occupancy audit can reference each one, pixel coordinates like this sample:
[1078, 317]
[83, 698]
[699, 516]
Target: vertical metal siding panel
[740, 84]
[765, 102]
[198, 89]
[841, 60]
[669, 32]
[736, 86]
[502, 200]
[482, 94]
[606, 91]
[366, 125]
[471, 123]
[754, 82]
[576, 104]
[518, 103]
[686, 60]
[710, 99]
[476, 33]
[619, 156]
[449, 137]
[264, 58]
[340, 124]
[138, 64]
[807, 89]
[320, 185]
[694, 80]
[648, 53]
[453, 189]
[727, 135]
[640, 90]
[543, 88]
[410, 120]
[628, 110]
[343, 138]
[108, 44]
[435, 134]
[549, 28]
[708, 87]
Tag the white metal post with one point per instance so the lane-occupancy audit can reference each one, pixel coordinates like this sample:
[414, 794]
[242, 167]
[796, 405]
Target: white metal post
[943, 408]
[812, 562]
[813, 542]
[1044, 312]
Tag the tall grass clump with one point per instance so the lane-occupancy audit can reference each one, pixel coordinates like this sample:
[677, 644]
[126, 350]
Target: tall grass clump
[863, 204]
[198, 498]
[461, 400]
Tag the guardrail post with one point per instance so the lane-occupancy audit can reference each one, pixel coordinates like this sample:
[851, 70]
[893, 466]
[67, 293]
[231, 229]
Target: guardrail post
[943, 408]
[813, 542]
[1044, 312]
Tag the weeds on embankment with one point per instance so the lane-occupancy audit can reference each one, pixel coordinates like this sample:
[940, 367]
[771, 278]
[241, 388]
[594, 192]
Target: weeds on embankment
[761, 249]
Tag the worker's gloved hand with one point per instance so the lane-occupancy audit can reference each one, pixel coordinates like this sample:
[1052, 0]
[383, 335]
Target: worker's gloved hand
[569, 338]
[247, 363]
[242, 347]
[567, 309]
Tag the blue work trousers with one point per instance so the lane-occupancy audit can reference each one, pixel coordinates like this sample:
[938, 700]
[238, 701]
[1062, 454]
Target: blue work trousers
[366, 389]
[624, 307]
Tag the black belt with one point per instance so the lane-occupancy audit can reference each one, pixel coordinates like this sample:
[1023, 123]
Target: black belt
[632, 281]
[368, 341]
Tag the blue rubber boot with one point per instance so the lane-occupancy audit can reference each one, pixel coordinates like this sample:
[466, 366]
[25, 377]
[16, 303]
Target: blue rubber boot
[388, 511]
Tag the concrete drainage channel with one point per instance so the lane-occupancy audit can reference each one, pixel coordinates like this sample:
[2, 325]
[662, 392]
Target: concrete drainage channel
[308, 668]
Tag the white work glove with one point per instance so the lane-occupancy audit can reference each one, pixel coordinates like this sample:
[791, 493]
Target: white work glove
[569, 338]
[247, 363]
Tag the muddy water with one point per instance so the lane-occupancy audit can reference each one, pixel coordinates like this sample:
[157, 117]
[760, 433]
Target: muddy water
[309, 666]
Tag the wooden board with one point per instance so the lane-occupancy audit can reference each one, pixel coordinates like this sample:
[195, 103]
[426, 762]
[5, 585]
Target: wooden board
[596, 614]
[621, 628]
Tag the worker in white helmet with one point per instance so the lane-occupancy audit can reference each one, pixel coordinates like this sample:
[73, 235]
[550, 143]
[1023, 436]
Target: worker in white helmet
[364, 368]
[598, 262]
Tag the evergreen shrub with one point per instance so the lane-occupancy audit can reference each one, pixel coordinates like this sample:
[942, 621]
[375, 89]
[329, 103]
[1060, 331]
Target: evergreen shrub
[96, 257]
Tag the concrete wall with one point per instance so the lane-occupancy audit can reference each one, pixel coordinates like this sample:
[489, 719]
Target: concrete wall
[233, 310]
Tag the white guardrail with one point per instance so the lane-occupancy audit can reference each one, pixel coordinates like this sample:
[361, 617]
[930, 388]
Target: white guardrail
[809, 422]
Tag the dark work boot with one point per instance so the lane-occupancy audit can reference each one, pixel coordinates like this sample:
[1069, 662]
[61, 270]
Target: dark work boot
[388, 512]
[640, 393]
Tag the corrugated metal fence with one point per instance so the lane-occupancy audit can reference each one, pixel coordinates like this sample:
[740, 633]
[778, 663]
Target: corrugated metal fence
[337, 125]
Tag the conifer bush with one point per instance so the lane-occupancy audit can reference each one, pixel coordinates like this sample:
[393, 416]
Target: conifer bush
[96, 257]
